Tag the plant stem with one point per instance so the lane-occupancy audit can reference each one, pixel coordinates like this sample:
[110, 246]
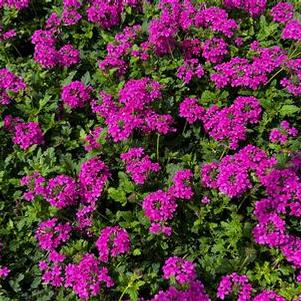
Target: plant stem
[158, 146]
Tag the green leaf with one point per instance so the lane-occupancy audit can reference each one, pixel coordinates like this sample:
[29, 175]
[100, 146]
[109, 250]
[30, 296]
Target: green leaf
[289, 110]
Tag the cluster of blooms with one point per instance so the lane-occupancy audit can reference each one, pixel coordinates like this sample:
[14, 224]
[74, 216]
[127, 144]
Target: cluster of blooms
[229, 124]
[35, 184]
[107, 13]
[76, 94]
[4, 271]
[47, 55]
[268, 295]
[51, 234]
[224, 124]
[176, 15]
[281, 134]
[182, 274]
[191, 48]
[239, 72]
[92, 178]
[179, 269]
[133, 110]
[162, 30]
[293, 83]
[181, 187]
[283, 188]
[214, 50]
[119, 49]
[138, 165]
[292, 30]
[9, 82]
[191, 110]
[231, 174]
[227, 283]
[6, 35]
[189, 70]
[70, 15]
[217, 20]
[25, 134]
[17, 4]
[195, 292]
[52, 269]
[112, 241]
[159, 207]
[86, 277]
[282, 12]
[253, 7]
[92, 139]
[61, 191]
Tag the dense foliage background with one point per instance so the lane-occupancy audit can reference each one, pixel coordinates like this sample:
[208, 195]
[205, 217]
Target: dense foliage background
[214, 232]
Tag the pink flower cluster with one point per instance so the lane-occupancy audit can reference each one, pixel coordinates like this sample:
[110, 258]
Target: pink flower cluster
[217, 20]
[138, 165]
[51, 234]
[179, 269]
[227, 283]
[293, 82]
[281, 134]
[35, 184]
[282, 12]
[70, 15]
[231, 174]
[47, 55]
[92, 178]
[182, 274]
[195, 292]
[112, 241]
[160, 206]
[181, 188]
[92, 139]
[214, 50]
[292, 30]
[191, 110]
[189, 70]
[6, 35]
[283, 188]
[9, 82]
[177, 15]
[229, 124]
[17, 4]
[86, 277]
[107, 13]
[239, 72]
[133, 110]
[224, 124]
[120, 49]
[61, 191]
[253, 7]
[268, 296]
[76, 94]
[25, 134]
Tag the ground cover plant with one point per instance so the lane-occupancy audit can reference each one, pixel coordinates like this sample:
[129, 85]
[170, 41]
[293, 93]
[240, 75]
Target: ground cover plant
[150, 150]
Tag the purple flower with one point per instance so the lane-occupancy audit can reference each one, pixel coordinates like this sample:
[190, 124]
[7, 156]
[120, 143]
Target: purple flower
[282, 12]
[76, 94]
[112, 241]
[183, 271]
